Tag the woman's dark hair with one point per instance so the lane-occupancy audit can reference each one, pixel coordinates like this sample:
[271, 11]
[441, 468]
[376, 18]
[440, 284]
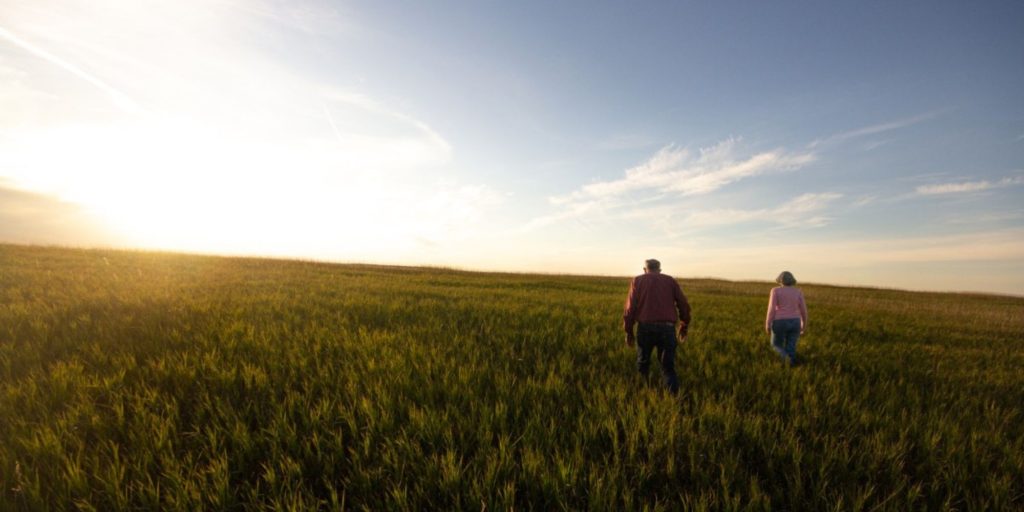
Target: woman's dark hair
[786, 278]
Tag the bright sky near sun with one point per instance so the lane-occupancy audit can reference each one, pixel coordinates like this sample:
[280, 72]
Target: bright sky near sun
[873, 143]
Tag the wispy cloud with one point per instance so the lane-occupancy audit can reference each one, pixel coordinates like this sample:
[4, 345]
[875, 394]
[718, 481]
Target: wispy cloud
[120, 99]
[675, 170]
[873, 129]
[954, 188]
[625, 141]
[873, 145]
[967, 186]
[311, 19]
[424, 143]
[805, 210]
[671, 172]
[1005, 245]
[864, 201]
[988, 218]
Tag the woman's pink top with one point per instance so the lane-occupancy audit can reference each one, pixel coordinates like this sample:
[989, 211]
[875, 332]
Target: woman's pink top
[786, 302]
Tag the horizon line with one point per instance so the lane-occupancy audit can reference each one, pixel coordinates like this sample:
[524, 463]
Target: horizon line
[456, 269]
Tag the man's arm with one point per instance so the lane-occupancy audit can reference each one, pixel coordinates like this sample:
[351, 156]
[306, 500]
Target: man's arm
[629, 314]
[684, 310]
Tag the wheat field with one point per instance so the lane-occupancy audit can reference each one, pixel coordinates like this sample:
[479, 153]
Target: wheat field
[146, 381]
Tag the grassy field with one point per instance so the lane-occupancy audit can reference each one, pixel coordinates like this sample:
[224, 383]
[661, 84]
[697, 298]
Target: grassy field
[152, 381]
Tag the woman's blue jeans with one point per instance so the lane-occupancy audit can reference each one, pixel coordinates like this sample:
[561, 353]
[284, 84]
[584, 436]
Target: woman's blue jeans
[785, 333]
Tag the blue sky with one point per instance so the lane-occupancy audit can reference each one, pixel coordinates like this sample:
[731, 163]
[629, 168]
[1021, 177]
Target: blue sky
[868, 143]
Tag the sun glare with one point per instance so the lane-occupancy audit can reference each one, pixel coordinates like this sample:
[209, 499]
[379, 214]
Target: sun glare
[217, 148]
[177, 185]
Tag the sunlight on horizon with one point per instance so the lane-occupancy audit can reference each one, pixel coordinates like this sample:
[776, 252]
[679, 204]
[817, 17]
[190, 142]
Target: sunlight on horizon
[435, 136]
[254, 160]
[179, 185]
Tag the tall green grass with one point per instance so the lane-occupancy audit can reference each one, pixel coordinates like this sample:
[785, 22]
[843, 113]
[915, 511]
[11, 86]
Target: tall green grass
[152, 381]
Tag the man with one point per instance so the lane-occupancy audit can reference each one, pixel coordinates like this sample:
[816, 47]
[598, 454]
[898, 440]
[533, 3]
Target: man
[655, 301]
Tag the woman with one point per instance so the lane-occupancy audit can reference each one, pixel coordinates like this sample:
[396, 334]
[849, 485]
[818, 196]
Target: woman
[787, 317]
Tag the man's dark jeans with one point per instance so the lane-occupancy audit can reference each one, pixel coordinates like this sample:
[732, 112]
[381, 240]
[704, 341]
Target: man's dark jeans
[662, 337]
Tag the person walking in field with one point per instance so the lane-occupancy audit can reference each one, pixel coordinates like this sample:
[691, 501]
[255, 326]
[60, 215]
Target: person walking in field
[787, 317]
[657, 304]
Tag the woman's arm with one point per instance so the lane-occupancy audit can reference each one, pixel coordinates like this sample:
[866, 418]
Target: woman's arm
[771, 311]
[803, 313]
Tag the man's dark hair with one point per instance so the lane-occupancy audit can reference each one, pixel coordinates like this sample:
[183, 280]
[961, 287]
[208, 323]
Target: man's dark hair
[653, 265]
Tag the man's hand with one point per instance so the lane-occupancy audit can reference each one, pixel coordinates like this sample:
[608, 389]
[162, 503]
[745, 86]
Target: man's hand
[630, 340]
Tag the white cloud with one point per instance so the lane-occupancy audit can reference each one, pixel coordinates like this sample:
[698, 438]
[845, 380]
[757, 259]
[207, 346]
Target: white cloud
[676, 170]
[954, 188]
[864, 200]
[670, 172]
[1002, 245]
[393, 136]
[873, 129]
[967, 186]
[120, 99]
[798, 212]
[625, 141]
[873, 145]
[988, 218]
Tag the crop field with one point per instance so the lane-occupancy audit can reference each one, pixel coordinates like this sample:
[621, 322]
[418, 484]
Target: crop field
[145, 381]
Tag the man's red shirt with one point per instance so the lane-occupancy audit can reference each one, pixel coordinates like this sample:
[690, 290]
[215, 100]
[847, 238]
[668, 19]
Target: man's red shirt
[655, 297]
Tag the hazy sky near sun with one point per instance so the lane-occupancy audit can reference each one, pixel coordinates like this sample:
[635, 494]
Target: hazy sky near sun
[872, 143]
